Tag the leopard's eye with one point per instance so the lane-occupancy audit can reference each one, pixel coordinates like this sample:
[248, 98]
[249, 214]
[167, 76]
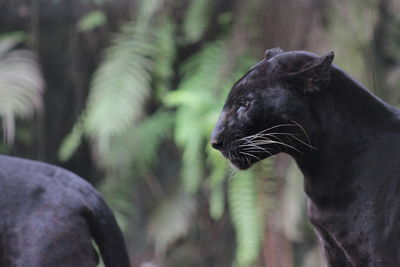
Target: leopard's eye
[243, 105]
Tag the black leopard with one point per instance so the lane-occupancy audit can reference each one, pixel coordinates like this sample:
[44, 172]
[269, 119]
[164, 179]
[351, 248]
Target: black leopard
[345, 140]
[48, 217]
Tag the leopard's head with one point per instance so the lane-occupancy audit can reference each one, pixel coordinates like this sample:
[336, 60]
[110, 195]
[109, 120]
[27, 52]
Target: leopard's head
[268, 110]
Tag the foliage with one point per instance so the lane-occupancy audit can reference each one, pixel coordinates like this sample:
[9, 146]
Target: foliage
[153, 101]
[21, 84]
[72, 141]
[245, 217]
[164, 58]
[216, 183]
[119, 90]
[195, 101]
[126, 134]
[176, 212]
[91, 21]
[120, 86]
[139, 64]
[198, 99]
[196, 20]
[146, 136]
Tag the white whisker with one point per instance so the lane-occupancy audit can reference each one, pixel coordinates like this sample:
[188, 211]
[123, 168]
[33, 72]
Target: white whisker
[232, 173]
[249, 154]
[257, 149]
[304, 131]
[279, 143]
[265, 130]
[252, 146]
[290, 135]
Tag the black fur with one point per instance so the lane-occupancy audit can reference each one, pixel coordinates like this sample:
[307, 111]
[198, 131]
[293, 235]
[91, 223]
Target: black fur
[48, 217]
[345, 140]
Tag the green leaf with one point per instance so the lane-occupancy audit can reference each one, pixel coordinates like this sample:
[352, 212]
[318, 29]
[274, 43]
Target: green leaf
[71, 143]
[9, 40]
[120, 86]
[197, 20]
[195, 102]
[242, 197]
[198, 99]
[218, 172]
[138, 145]
[171, 220]
[147, 10]
[164, 57]
[91, 21]
[217, 202]
[21, 85]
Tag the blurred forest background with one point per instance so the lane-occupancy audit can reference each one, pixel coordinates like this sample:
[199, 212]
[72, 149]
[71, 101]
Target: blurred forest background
[125, 93]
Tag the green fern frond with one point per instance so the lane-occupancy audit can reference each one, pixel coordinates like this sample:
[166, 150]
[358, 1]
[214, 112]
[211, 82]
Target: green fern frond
[118, 189]
[147, 10]
[71, 142]
[138, 144]
[217, 202]
[91, 21]
[188, 135]
[119, 89]
[164, 57]
[121, 85]
[218, 167]
[202, 72]
[207, 76]
[171, 220]
[197, 20]
[132, 154]
[195, 100]
[9, 40]
[242, 196]
[150, 134]
[21, 85]
[198, 99]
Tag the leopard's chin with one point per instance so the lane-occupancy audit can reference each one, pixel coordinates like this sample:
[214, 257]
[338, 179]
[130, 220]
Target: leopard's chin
[242, 161]
[239, 165]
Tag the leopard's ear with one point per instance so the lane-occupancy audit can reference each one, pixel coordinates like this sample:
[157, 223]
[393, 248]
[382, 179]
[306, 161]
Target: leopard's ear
[272, 52]
[314, 75]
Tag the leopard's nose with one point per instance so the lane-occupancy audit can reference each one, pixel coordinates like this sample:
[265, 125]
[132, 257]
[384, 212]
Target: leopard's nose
[216, 143]
[216, 139]
[216, 135]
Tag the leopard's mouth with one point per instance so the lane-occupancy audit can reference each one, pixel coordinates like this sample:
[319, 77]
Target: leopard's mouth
[235, 161]
[248, 150]
[243, 159]
[244, 152]
[239, 164]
